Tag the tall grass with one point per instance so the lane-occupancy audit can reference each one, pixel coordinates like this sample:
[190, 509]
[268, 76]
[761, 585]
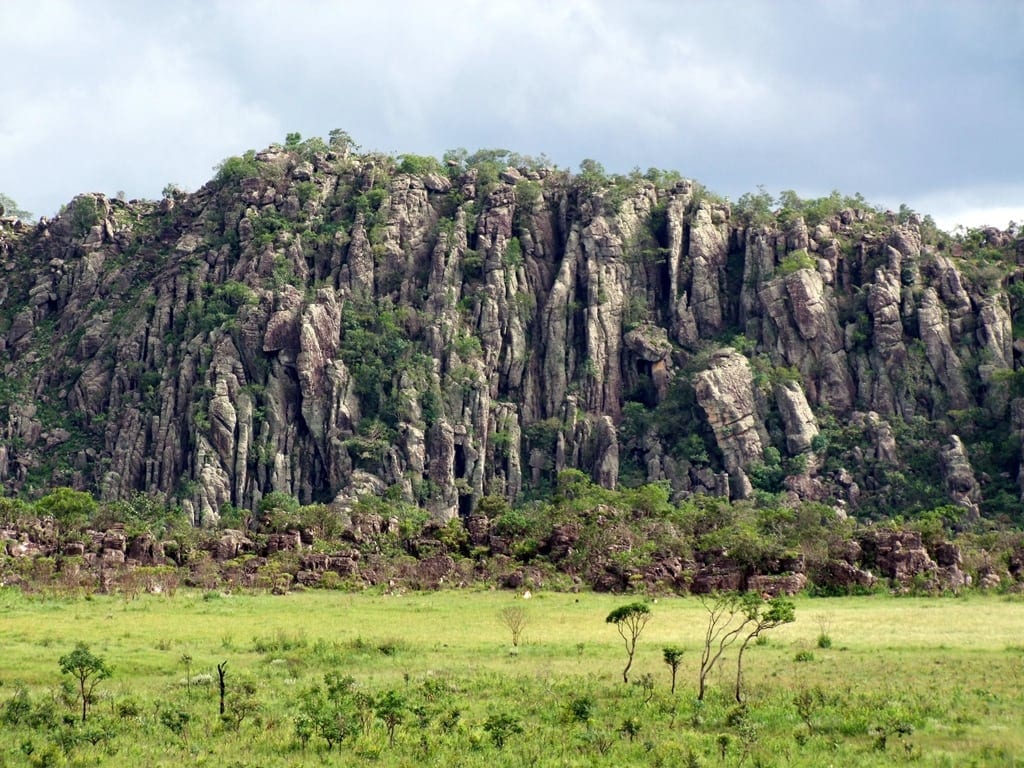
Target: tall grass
[926, 682]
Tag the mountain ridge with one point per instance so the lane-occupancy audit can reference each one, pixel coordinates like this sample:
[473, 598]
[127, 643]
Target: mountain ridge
[326, 324]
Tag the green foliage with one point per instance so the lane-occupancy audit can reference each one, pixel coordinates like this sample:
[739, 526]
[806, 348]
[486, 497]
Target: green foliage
[328, 712]
[375, 347]
[513, 254]
[234, 169]
[87, 669]
[795, 261]
[592, 176]
[501, 726]
[672, 655]
[580, 709]
[85, 214]
[68, 507]
[277, 512]
[10, 208]
[341, 141]
[629, 621]
[754, 209]
[371, 204]
[390, 707]
[418, 165]
[528, 193]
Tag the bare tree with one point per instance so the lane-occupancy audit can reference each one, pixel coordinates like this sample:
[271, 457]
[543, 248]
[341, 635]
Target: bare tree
[514, 617]
[222, 673]
[726, 619]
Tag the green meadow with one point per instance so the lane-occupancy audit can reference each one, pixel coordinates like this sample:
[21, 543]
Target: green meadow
[334, 678]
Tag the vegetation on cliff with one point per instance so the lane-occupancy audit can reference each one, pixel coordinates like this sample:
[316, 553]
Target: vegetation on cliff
[331, 325]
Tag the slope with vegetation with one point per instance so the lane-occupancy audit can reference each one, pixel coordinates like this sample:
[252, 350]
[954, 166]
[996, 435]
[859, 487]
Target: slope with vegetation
[330, 325]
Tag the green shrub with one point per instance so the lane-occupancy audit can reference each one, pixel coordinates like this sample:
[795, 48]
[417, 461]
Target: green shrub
[234, 169]
[85, 214]
[418, 165]
[794, 262]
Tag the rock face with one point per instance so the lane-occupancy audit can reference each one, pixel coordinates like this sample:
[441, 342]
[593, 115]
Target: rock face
[325, 324]
[800, 423]
[726, 393]
[960, 481]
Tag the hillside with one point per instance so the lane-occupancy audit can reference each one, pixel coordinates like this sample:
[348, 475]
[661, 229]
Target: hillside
[325, 324]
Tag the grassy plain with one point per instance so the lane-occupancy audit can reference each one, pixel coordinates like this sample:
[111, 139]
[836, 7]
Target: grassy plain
[916, 681]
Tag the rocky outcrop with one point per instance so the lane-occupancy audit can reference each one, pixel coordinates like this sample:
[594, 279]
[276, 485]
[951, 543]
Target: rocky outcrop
[726, 393]
[901, 557]
[801, 426]
[959, 476]
[328, 325]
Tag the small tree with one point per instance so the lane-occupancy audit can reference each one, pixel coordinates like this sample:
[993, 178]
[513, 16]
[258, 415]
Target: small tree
[725, 622]
[10, 208]
[673, 656]
[390, 708]
[630, 621]
[514, 617]
[760, 616]
[329, 715]
[87, 669]
[69, 507]
[240, 703]
[500, 727]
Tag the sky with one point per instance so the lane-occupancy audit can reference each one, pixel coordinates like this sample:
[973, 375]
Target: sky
[917, 101]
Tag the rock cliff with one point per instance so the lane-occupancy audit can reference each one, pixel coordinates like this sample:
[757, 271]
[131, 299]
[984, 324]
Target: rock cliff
[314, 321]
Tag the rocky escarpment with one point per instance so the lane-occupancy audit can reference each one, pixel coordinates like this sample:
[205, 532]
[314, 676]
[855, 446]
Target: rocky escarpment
[39, 554]
[321, 323]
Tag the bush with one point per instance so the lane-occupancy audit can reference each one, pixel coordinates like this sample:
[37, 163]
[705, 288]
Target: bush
[234, 169]
[68, 506]
[796, 261]
[85, 214]
[418, 165]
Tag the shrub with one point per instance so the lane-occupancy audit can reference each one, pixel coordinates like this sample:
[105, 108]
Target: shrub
[796, 261]
[85, 214]
[234, 169]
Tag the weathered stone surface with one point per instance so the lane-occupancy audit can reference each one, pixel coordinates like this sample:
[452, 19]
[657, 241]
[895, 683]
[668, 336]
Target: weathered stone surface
[232, 544]
[959, 476]
[725, 392]
[797, 416]
[330, 328]
[774, 586]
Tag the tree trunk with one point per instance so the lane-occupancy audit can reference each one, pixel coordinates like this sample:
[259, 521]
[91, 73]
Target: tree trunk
[221, 672]
[739, 674]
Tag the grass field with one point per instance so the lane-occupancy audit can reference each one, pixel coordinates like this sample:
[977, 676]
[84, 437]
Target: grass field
[916, 681]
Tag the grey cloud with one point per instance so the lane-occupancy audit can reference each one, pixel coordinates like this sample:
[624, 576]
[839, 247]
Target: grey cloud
[896, 100]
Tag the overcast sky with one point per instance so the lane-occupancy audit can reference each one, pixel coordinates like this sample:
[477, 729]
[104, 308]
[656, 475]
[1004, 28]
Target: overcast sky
[902, 101]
